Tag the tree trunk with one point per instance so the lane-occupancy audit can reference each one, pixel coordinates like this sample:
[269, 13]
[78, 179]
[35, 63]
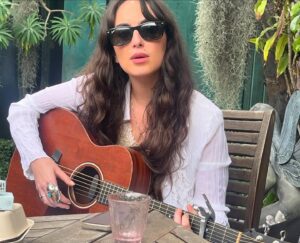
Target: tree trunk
[277, 95]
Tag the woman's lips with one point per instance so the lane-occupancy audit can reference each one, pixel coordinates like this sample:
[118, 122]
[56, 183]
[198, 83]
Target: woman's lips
[139, 58]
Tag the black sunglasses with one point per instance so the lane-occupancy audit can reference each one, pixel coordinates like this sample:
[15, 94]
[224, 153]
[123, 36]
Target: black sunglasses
[149, 31]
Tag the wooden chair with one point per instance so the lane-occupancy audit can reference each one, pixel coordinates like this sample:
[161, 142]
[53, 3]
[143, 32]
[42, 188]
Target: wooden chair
[249, 136]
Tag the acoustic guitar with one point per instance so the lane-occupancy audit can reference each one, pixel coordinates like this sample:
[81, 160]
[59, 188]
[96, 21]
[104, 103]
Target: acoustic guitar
[97, 171]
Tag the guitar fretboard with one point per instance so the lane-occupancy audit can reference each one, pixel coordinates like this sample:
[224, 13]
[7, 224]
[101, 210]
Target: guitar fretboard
[214, 232]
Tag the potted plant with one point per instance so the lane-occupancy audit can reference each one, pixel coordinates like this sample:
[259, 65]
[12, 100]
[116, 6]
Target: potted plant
[28, 24]
[279, 43]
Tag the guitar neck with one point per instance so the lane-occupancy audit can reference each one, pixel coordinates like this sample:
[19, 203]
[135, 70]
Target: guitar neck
[214, 232]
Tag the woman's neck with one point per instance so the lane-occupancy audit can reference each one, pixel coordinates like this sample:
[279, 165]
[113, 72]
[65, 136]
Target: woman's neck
[142, 90]
[141, 94]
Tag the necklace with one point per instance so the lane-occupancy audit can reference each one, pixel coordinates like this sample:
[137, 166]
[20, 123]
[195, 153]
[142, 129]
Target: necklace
[140, 130]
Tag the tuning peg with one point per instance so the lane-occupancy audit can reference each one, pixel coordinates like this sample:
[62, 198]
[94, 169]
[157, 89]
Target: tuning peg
[282, 235]
[279, 217]
[270, 220]
[266, 229]
[259, 238]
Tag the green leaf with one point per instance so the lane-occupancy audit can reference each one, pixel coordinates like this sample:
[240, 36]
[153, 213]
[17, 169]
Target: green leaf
[5, 6]
[259, 43]
[295, 10]
[280, 47]
[282, 64]
[30, 33]
[5, 36]
[268, 46]
[91, 13]
[296, 45]
[65, 30]
[6, 150]
[264, 31]
[295, 24]
[253, 40]
[259, 8]
[270, 198]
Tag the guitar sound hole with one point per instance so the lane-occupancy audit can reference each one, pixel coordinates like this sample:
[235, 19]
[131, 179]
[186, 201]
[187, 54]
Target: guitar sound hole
[86, 189]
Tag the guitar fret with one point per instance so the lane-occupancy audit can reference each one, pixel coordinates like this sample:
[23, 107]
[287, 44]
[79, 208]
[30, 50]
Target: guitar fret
[168, 215]
[224, 235]
[212, 233]
[192, 220]
[106, 189]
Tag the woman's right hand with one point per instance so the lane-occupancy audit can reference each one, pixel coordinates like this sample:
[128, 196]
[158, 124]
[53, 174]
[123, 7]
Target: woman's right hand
[45, 172]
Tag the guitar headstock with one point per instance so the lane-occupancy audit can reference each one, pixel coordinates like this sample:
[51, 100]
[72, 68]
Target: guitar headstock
[260, 237]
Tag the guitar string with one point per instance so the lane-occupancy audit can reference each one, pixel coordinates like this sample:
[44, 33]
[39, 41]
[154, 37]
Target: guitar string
[113, 187]
[113, 190]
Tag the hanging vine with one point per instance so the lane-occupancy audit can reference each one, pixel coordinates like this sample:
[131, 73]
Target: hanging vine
[223, 28]
[22, 22]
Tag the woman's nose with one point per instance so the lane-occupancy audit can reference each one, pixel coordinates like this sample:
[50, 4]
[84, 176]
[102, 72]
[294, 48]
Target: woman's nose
[137, 40]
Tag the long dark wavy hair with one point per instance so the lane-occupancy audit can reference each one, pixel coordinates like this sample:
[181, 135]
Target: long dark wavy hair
[168, 111]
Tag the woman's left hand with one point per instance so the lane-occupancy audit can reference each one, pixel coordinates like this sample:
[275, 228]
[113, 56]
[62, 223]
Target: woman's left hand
[183, 219]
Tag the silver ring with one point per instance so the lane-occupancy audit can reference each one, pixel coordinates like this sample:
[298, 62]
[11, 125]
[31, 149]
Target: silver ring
[53, 192]
[51, 187]
[56, 196]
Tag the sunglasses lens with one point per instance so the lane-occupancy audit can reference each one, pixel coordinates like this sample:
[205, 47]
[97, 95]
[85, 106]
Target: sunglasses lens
[151, 31]
[121, 36]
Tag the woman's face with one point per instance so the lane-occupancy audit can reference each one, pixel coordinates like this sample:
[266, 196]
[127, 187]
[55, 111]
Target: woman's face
[139, 58]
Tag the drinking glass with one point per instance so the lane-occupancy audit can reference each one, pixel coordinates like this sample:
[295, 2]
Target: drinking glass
[128, 215]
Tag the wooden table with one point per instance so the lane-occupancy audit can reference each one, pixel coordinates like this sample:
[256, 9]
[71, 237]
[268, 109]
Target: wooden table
[68, 228]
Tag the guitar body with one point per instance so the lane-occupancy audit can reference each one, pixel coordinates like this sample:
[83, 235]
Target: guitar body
[85, 162]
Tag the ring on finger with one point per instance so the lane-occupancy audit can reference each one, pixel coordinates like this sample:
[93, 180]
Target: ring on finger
[55, 195]
[51, 187]
[53, 192]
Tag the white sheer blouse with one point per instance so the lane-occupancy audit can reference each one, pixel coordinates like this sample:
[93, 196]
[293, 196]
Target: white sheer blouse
[203, 170]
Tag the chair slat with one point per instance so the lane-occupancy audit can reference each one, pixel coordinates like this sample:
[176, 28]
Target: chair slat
[235, 199]
[249, 135]
[237, 213]
[238, 186]
[245, 137]
[239, 174]
[242, 149]
[243, 115]
[239, 161]
[235, 125]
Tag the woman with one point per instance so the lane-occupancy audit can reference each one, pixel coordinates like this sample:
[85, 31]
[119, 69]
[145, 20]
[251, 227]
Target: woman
[137, 90]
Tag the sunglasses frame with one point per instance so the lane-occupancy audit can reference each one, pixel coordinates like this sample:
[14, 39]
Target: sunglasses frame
[159, 24]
